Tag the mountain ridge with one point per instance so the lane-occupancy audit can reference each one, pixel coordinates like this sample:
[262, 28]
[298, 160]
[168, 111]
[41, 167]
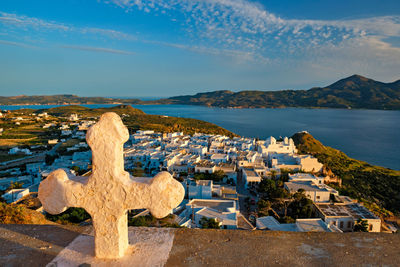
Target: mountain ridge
[355, 91]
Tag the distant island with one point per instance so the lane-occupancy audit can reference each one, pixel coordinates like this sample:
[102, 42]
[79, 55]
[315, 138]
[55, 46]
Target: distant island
[64, 99]
[353, 92]
[356, 92]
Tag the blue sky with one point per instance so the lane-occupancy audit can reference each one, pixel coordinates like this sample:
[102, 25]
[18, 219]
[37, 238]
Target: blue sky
[174, 47]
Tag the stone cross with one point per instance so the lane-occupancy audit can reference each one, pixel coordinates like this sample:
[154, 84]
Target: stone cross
[110, 191]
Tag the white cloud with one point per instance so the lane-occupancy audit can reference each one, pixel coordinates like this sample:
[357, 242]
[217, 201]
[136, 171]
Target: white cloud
[248, 26]
[5, 42]
[98, 49]
[244, 29]
[28, 23]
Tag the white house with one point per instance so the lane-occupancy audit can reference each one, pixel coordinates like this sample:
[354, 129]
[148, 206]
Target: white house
[16, 150]
[52, 141]
[34, 168]
[346, 215]
[273, 146]
[144, 132]
[223, 211]
[229, 169]
[63, 127]
[73, 117]
[308, 163]
[175, 134]
[198, 150]
[283, 161]
[247, 158]
[315, 192]
[250, 177]
[305, 177]
[15, 194]
[48, 125]
[219, 158]
[201, 189]
[301, 225]
[66, 132]
[43, 114]
[204, 166]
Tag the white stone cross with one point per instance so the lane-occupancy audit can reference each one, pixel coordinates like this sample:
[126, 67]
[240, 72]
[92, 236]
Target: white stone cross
[110, 191]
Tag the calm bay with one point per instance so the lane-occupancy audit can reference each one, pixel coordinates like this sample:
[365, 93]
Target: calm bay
[369, 135]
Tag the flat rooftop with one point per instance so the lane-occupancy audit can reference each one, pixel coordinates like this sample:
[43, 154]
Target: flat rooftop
[250, 173]
[205, 163]
[312, 225]
[204, 182]
[219, 205]
[354, 210]
[302, 176]
[37, 245]
[306, 185]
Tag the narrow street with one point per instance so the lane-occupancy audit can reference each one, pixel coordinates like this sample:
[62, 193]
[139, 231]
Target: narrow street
[242, 195]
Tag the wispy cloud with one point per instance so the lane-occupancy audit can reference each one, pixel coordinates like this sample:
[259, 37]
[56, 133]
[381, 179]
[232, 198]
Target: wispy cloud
[5, 42]
[22, 21]
[238, 54]
[28, 23]
[242, 29]
[98, 49]
[248, 26]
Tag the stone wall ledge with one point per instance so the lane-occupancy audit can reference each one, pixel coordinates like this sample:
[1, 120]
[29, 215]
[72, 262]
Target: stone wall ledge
[37, 245]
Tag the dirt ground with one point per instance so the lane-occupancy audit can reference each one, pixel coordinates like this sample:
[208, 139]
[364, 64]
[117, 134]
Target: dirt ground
[37, 245]
[195, 247]
[33, 245]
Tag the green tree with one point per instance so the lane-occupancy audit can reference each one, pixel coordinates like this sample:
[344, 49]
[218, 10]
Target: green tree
[273, 174]
[183, 174]
[138, 172]
[263, 207]
[217, 176]
[146, 220]
[286, 219]
[76, 169]
[361, 226]
[267, 186]
[300, 206]
[200, 176]
[49, 159]
[71, 215]
[15, 185]
[209, 223]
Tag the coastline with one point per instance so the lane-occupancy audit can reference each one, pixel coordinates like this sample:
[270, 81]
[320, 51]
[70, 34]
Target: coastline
[207, 106]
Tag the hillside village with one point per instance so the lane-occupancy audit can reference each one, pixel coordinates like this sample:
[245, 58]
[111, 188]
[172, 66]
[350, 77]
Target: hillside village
[230, 183]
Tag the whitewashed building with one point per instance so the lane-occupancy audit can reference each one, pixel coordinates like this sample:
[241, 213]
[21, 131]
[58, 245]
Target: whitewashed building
[301, 225]
[315, 192]
[346, 215]
[15, 194]
[223, 211]
[201, 189]
[250, 177]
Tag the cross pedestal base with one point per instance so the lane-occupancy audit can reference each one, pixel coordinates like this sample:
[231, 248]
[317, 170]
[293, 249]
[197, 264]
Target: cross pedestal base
[147, 247]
